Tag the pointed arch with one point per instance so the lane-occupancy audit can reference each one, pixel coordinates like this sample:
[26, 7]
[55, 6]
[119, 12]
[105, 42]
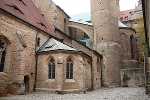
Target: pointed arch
[124, 43]
[51, 68]
[2, 54]
[69, 67]
[132, 46]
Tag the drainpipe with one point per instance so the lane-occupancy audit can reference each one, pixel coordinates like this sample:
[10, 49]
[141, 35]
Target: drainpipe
[36, 60]
[92, 78]
[101, 71]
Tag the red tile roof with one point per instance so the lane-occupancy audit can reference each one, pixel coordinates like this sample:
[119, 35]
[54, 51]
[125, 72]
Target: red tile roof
[126, 15]
[27, 11]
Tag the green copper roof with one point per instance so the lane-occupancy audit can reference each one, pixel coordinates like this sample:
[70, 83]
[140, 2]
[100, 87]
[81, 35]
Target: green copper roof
[87, 42]
[85, 18]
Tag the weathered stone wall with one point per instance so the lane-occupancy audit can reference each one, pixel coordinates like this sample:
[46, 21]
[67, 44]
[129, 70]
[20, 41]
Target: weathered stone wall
[127, 61]
[3, 82]
[53, 14]
[96, 71]
[47, 8]
[20, 51]
[104, 16]
[136, 77]
[81, 76]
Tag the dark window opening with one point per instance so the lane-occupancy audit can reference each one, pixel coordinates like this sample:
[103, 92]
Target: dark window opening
[69, 69]
[38, 41]
[126, 17]
[2, 55]
[98, 65]
[132, 46]
[15, 8]
[65, 24]
[40, 23]
[51, 66]
[121, 18]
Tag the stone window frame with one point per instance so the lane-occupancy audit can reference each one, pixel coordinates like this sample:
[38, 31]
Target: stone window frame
[51, 69]
[2, 54]
[69, 69]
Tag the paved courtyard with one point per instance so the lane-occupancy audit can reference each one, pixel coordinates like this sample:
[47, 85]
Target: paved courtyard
[99, 94]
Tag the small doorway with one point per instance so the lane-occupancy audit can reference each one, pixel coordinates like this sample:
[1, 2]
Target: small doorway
[26, 81]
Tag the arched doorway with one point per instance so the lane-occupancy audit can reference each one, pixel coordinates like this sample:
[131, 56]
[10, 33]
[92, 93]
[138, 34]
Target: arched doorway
[26, 81]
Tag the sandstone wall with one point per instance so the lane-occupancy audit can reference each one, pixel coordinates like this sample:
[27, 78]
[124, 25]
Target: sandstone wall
[81, 72]
[53, 14]
[136, 77]
[127, 60]
[104, 17]
[20, 51]
[96, 71]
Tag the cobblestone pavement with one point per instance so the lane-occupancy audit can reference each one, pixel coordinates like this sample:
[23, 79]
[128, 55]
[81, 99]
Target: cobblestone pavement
[99, 94]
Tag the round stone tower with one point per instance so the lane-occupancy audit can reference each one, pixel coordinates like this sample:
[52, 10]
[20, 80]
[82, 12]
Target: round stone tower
[104, 16]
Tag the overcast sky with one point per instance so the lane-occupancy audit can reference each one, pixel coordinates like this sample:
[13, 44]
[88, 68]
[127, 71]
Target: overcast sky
[78, 6]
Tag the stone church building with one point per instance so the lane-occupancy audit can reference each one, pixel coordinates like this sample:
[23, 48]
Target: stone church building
[47, 50]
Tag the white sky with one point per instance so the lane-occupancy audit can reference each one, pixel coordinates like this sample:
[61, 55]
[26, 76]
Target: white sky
[78, 6]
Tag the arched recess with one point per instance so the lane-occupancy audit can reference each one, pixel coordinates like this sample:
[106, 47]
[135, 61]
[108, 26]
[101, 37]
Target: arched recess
[48, 58]
[51, 67]
[26, 81]
[5, 39]
[124, 43]
[70, 67]
[132, 46]
[4, 44]
[81, 36]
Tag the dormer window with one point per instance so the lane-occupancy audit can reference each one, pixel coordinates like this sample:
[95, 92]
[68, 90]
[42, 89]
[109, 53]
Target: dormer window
[40, 23]
[22, 2]
[126, 18]
[121, 18]
[15, 8]
[131, 12]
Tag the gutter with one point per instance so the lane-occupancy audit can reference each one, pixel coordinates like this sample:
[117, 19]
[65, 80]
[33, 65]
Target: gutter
[92, 78]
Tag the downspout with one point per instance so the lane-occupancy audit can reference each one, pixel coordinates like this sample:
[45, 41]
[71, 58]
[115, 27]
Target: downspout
[92, 78]
[36, 60]
[101, 61]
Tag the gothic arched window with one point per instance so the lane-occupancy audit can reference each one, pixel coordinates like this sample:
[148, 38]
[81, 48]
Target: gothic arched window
[69, 69]
[2, 55]
[51, 66]
[132, 46]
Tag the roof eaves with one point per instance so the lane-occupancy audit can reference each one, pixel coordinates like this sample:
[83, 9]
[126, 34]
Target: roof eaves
[61, 50]
[127, 28]
[98, 53]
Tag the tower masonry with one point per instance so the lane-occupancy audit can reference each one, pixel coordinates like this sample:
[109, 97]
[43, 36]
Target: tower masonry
[104, 15]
